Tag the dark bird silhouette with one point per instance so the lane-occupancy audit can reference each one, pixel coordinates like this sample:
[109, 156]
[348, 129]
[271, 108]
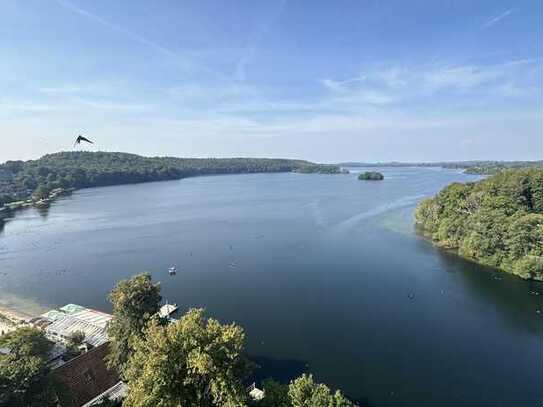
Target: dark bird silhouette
[80, 138]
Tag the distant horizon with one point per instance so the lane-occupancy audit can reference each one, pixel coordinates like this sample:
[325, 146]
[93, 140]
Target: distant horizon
[355, 161]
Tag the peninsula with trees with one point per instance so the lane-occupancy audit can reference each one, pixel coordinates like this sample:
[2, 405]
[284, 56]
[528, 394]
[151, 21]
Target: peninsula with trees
[496, 222]
[24, 183]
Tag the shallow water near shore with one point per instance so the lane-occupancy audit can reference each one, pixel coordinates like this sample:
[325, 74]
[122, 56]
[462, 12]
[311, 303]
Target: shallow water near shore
[325, 273]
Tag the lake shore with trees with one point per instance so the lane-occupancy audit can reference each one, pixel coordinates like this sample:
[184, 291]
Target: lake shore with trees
[39, 182]
[496, 222]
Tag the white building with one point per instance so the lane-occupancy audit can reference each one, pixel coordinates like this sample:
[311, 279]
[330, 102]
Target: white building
[74, 318]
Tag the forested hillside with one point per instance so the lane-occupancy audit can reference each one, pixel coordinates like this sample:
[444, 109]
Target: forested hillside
[497, 221]
[20, 179]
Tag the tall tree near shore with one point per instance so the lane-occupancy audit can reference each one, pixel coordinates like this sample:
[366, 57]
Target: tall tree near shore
[304, 392]
[195, 361]
[135, 302]
[275, 395]
[497, 221]
[24, 377]
[301, 392]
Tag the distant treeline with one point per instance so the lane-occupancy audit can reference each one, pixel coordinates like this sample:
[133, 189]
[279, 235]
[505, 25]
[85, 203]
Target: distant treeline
[20, 180]
[493, 167]
[497, 221]
[481, 167]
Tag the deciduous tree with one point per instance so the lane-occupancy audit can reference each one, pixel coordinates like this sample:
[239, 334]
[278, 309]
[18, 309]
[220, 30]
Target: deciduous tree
[24, 377]
[195, 361]
[135, 301]
[304, 392]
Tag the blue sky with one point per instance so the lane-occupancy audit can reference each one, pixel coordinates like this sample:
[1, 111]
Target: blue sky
[322, 80]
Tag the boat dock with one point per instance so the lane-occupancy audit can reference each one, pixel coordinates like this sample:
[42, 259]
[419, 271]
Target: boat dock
[167, 309]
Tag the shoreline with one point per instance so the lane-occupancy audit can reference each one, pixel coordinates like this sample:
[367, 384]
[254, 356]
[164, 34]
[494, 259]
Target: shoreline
[11, 319]
[424, 235]
[15, 315]
[9, 210]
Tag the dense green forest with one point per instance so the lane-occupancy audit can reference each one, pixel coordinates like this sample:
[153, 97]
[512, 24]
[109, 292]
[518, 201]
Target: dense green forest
[21, 179]
[497, 221]
[371, 176]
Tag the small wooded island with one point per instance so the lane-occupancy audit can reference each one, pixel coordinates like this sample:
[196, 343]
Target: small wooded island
[371, 176]
[497, 222]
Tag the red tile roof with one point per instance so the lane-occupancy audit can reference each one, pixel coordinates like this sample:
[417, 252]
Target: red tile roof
[84, 377]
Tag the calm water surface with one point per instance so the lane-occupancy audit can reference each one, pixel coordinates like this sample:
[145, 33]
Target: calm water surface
[325, 273]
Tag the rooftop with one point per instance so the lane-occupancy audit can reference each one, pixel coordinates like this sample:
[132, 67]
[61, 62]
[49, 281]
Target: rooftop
[63, 328]
[114, 393]
[75, 318]
[85, 377]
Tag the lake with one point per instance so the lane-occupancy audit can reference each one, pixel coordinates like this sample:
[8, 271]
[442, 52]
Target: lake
[325, 273]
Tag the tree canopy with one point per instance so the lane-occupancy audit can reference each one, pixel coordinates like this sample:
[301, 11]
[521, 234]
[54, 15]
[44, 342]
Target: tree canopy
[301, 392]
[24, 377]
[304, 392]
[78, 169]
[196, 361]
[497, 221]
[135, 301]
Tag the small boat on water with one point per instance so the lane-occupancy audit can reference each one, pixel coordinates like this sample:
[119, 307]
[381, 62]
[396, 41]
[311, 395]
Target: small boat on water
[172, 270]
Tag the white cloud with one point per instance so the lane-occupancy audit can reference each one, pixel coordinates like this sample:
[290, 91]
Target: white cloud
[497, 19]
[182, 61]
[78, 88]
[254, 41]
[463, 77]
[69, 105]
[134, 36]
[25, 106]
[212, 94]
[402, 84]
[110, 105]
[356, 90]
[62, 89]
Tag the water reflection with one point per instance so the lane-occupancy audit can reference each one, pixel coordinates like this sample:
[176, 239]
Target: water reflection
[513, 298]
[43, 211]
[282, 370]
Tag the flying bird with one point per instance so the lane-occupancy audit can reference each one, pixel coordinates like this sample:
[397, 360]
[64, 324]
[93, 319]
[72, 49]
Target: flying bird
[80, 138]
